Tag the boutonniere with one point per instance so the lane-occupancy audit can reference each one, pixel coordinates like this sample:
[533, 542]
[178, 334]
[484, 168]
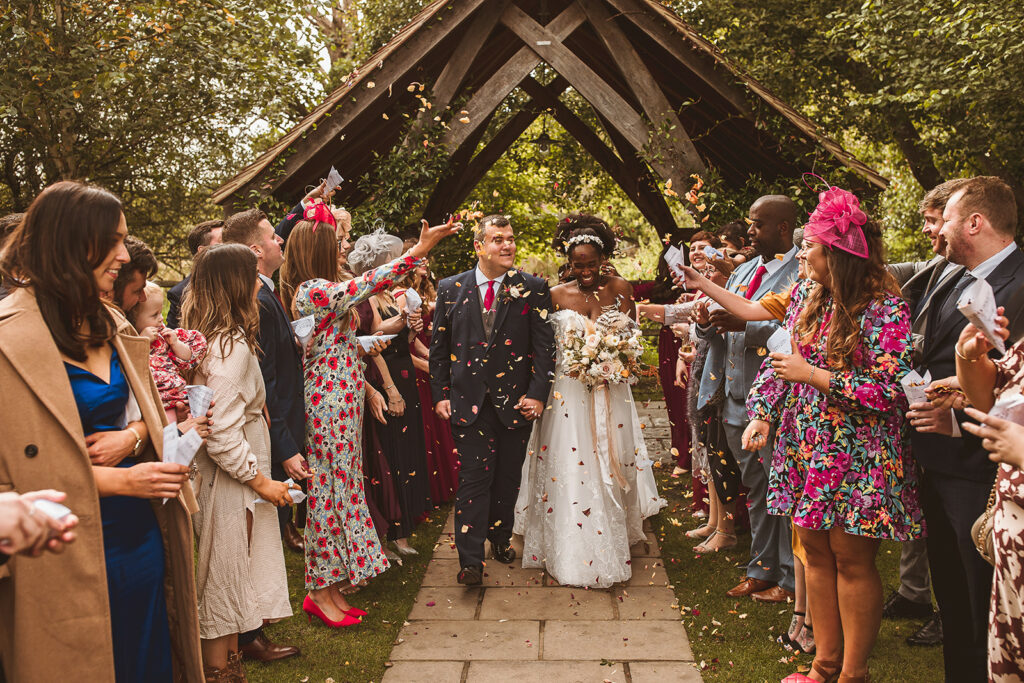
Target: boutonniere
[510, 293]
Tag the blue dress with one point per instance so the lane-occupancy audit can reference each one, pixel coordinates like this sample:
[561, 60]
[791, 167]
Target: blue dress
[132, 544]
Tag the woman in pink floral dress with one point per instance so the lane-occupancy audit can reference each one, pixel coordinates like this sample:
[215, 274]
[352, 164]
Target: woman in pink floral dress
[841, 465]
[342, 546]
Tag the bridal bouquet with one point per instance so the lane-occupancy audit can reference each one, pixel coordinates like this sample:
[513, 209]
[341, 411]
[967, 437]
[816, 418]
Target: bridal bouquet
[604, 352]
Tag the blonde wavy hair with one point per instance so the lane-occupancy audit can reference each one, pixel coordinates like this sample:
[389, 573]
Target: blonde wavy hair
[221, 299]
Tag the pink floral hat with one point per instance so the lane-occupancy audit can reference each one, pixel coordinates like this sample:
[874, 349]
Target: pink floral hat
[838, 221]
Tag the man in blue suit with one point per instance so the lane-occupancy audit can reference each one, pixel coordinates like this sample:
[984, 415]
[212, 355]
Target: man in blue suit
[772, 218]
[204, 235]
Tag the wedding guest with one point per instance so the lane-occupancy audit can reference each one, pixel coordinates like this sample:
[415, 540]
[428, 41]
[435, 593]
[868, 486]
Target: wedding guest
[913, 597]
[130, 287]
[27, 531]
[769, 574]
[280, 361]
[342, 547]
[838, 398]
[171, 352]
[7, 225]
[979, 221]
[240, 563]
[206, 234]
[401, 436]
[69, 366]
[442, 460]
[734, 242]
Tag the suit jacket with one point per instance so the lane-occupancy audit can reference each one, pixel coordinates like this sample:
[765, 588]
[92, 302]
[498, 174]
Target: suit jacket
[743, 350]
[281, 365]
[175, 295]
[284, 228]
[963, 457]
[517, 359]
[54, 609]
[713, 373]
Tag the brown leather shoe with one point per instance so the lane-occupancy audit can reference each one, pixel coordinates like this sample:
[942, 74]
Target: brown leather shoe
[262, 650]
[773, 594]
[293, 539]
[747, 586]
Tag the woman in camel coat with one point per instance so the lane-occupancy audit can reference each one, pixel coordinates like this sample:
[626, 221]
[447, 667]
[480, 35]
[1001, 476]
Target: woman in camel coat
[56, 611]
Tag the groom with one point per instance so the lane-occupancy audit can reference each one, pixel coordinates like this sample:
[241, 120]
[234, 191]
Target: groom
[492, 361]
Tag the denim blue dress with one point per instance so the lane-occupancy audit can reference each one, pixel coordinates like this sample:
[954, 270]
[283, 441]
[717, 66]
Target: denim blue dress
[132, 544]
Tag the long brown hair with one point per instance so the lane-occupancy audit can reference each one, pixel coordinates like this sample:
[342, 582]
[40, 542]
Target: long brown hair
[854, 283]
[309, 255]
[68, 231]
[221, 297]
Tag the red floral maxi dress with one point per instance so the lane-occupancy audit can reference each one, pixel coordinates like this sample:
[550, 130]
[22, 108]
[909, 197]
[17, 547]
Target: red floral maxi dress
[341, 542]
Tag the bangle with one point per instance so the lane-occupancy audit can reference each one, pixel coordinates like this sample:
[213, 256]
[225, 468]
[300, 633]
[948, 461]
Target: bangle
[960, 354]
[138, 440]
[811, 379]
[390, 386]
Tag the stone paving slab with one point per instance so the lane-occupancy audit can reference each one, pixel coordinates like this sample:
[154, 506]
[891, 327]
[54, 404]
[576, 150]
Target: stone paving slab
[663, 672]
[443, 572]
[435, 672]
[647, 603]
[547, 603]
[437, 602]
[616, 640]
[648, 571]
[547, 672]
[447, 640]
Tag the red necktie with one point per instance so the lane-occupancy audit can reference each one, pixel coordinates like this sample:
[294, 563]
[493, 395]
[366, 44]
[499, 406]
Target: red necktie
[489, 295]
[755, 282]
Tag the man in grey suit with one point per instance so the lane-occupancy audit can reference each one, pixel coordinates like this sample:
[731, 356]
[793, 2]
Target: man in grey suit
[772, 219]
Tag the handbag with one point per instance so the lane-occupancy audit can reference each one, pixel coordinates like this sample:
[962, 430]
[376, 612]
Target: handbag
[983, 532]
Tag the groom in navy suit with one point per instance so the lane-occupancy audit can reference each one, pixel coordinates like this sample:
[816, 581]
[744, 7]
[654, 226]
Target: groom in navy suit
[492, 361]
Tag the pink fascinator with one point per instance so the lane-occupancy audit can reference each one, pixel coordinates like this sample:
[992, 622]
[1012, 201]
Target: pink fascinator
[318, 212]
[838, 222]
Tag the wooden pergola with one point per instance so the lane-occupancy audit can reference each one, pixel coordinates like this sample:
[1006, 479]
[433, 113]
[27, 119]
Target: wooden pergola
[668, 102]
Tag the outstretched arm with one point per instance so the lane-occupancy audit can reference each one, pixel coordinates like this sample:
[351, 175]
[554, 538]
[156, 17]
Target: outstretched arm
[730, 301]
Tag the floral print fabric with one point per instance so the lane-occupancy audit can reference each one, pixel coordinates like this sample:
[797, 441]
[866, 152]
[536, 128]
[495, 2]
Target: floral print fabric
[842, 459]
[341, 541]
[1006, 627]
[167, 367]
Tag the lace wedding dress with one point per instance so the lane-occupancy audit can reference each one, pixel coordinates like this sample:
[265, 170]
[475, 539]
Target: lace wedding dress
[587, 483]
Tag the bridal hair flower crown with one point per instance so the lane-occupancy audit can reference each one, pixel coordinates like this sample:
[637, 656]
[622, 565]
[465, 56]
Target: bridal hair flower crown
[581, 239]
[838, 222]
[318, 212]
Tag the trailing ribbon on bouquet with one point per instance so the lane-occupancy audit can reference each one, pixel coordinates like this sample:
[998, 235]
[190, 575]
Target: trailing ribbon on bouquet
[319, 212]
[614, 466]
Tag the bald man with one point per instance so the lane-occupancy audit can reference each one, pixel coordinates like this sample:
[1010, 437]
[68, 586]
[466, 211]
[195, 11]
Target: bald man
[772, 219]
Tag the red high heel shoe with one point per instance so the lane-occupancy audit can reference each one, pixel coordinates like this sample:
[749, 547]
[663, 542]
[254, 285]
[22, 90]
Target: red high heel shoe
[313, 610]
[355, 612]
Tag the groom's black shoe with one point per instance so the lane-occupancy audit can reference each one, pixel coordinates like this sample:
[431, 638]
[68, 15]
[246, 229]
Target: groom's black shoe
[504, 553]
[473, 575]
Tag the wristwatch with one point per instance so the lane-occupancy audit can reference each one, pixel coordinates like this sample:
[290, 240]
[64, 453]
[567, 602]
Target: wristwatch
[138, 440]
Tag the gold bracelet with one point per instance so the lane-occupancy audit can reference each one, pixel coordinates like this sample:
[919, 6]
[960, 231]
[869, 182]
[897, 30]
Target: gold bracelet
[960, 354]
[811, 380]
[138, 439]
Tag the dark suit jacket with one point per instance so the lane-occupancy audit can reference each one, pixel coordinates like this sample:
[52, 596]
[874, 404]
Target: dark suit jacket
[284, 228]
[963, 457]
[518, 359]
[175, 295]
[281, 365]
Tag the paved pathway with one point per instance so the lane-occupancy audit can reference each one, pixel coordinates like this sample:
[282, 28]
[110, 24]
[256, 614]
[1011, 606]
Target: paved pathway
[522, 626]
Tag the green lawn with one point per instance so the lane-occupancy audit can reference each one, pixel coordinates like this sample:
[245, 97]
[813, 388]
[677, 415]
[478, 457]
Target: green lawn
[735, 640]
[356, 654]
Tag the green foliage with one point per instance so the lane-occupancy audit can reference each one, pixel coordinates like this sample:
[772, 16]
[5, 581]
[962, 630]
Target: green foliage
[154, 100]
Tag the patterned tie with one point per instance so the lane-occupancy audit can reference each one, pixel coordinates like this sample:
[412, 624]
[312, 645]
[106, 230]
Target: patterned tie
[755, 282]
[489, 296]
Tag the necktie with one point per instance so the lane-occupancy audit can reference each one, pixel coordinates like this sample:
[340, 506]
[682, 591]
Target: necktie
[949, 305]
[489, 296]
[755, 282]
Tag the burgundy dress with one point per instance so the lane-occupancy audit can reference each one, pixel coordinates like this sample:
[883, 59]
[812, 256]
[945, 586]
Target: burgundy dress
[442, 460]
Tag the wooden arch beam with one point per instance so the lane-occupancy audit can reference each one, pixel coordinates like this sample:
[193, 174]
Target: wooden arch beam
[633, 182]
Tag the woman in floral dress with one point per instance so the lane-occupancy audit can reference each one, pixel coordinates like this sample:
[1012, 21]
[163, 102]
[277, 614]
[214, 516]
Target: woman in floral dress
[342, 546]
[841, 466]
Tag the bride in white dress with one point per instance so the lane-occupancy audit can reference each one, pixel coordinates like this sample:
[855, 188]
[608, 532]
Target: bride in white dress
[587, 483]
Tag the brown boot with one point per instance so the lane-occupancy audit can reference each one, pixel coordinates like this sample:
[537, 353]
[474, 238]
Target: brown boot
[214, 675]
[235, 666]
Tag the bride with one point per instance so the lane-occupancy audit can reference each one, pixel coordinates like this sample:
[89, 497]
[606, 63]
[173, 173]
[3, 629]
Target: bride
[587, 483]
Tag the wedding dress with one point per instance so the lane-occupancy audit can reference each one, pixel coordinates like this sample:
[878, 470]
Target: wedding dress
[587, 483]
